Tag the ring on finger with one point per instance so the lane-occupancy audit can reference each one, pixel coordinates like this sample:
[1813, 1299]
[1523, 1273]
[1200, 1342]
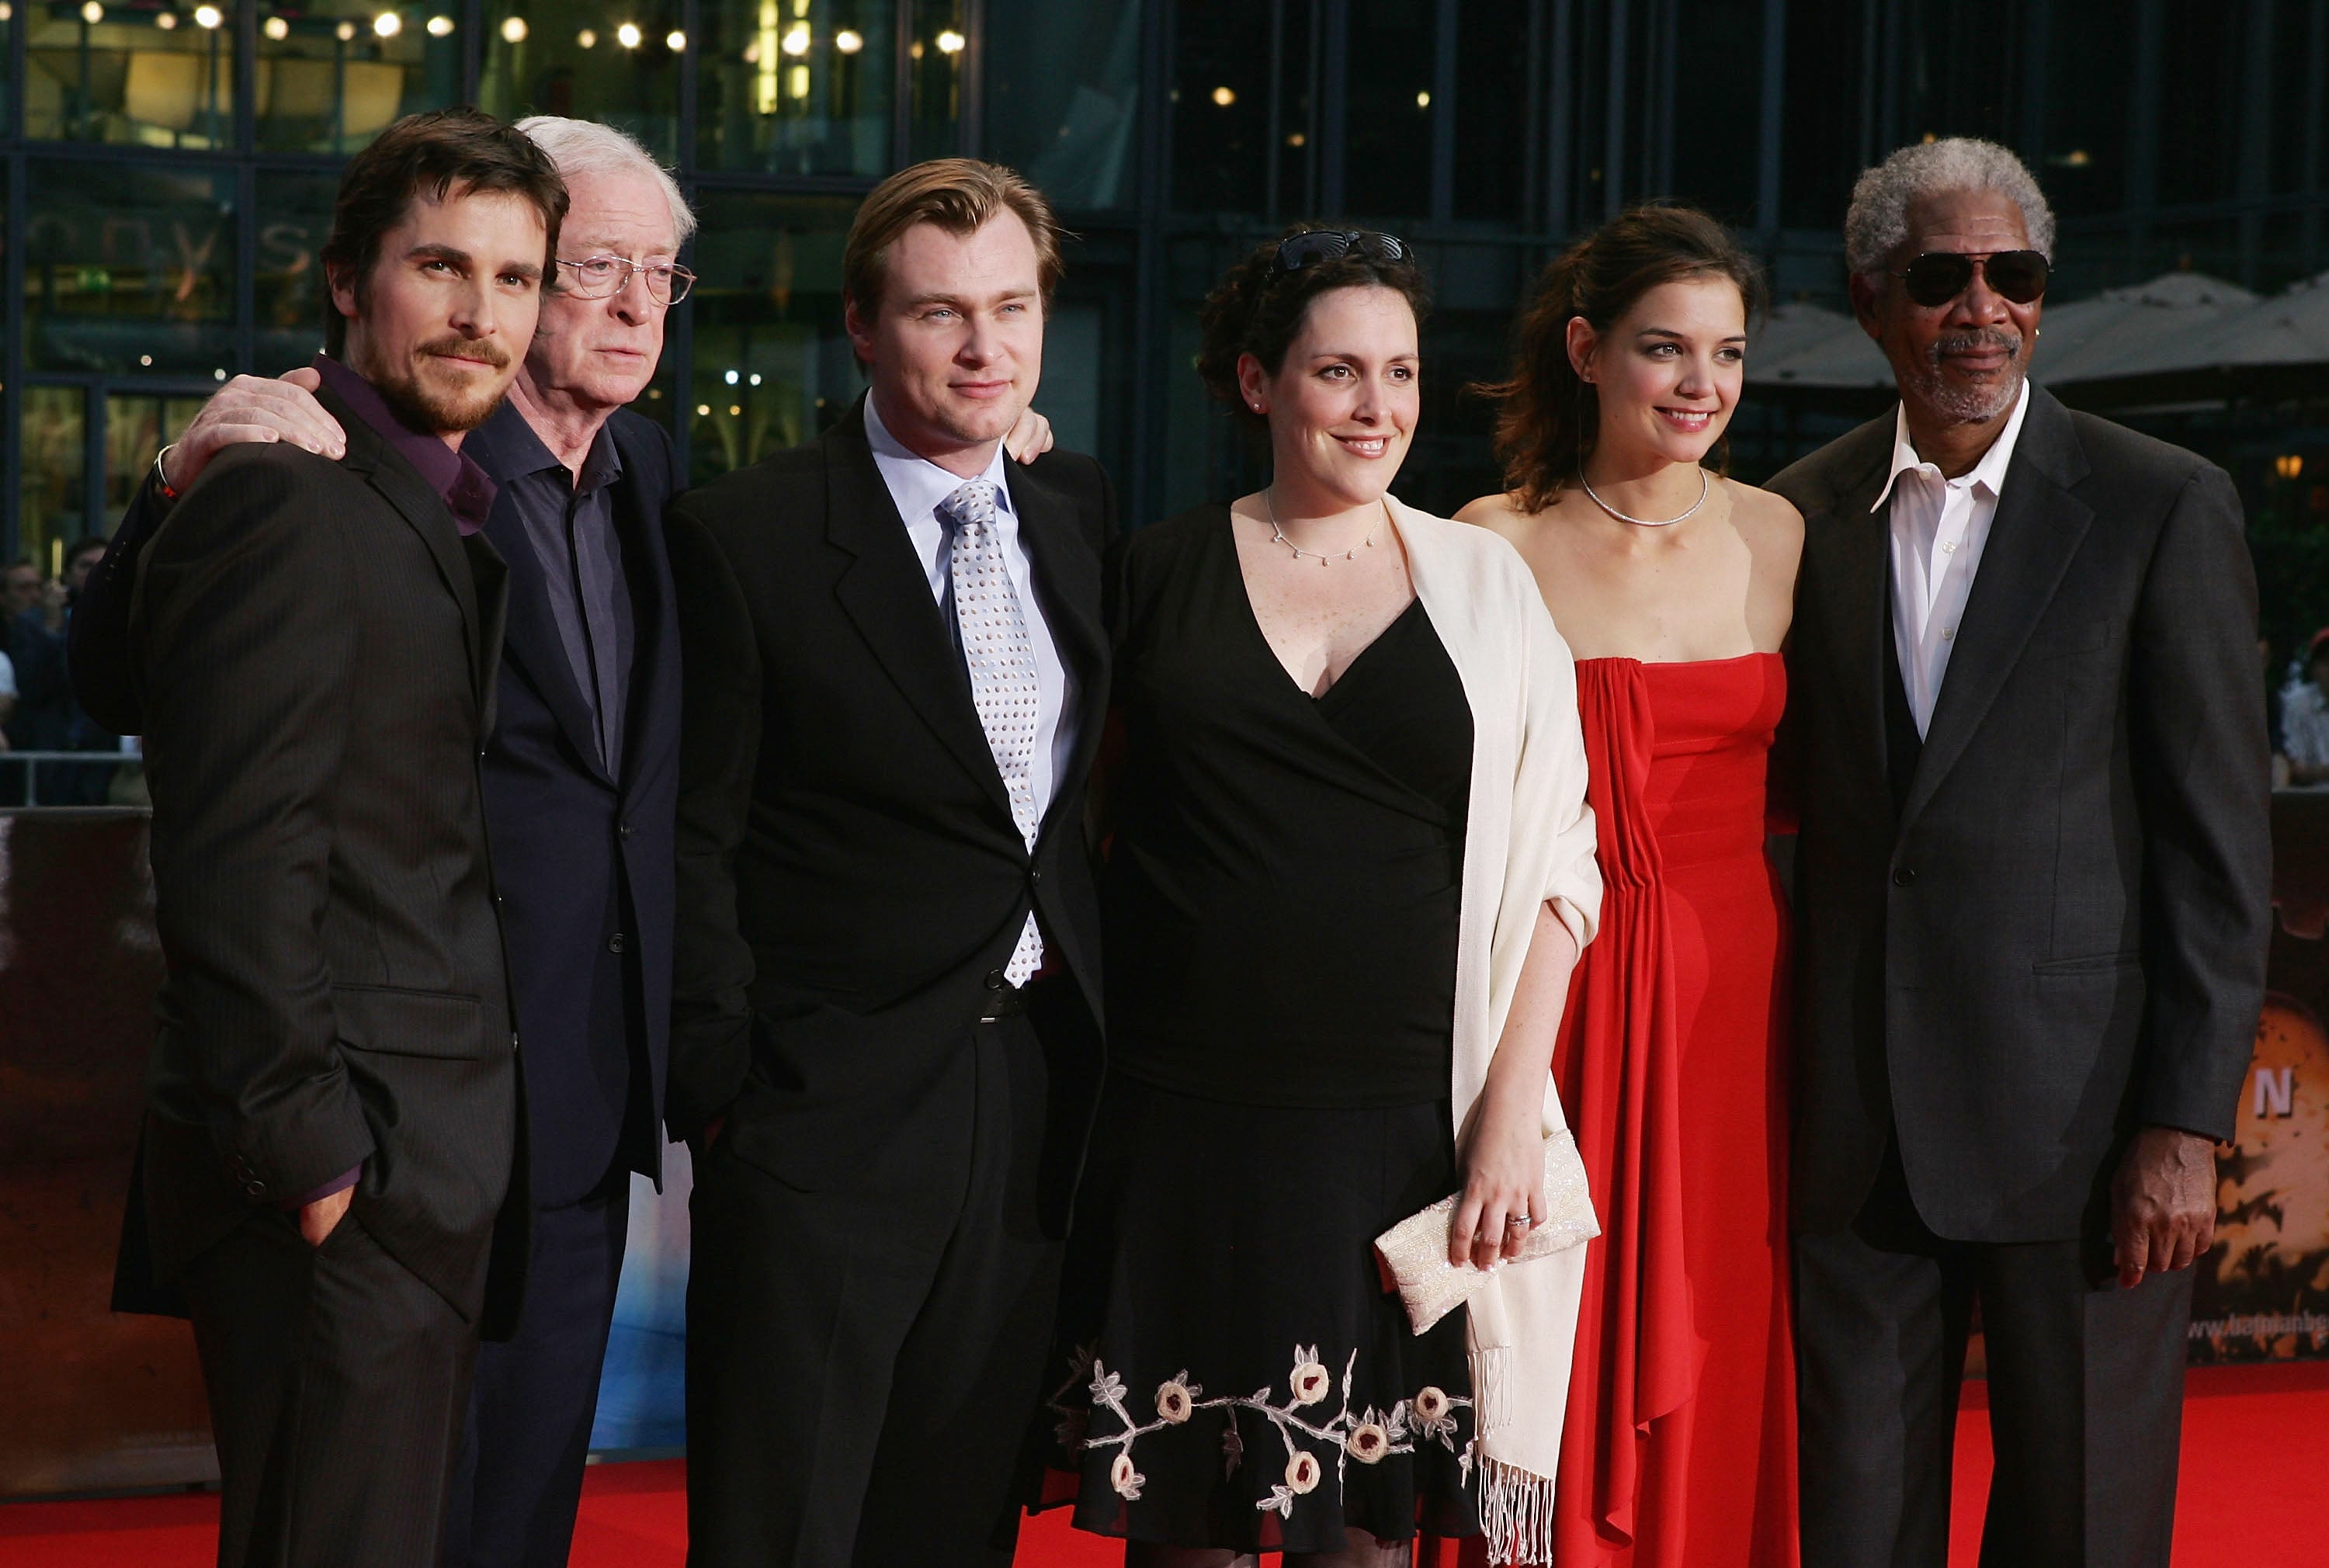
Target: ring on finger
[1518, 1221]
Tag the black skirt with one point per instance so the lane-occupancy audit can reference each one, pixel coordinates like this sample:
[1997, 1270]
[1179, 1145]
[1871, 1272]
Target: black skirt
[1242, 1379]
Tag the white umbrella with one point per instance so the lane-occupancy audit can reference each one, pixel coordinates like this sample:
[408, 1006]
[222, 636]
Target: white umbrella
[2133, 330]
[2291, 328]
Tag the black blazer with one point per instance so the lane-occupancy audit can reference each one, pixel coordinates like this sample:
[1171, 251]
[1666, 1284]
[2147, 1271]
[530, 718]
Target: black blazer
[582, 861]
[850, 877]
[313, 645]
[2058, 936]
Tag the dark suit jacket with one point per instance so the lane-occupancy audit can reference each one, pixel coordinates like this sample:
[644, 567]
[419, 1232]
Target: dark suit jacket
[315, 648]
[850, 877]
[2059, 935]
[582, 861]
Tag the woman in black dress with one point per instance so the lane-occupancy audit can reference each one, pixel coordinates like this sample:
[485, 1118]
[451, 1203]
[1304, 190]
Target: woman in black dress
[1295, 943]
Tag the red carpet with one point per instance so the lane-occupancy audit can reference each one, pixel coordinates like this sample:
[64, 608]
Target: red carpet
[2253, 1441]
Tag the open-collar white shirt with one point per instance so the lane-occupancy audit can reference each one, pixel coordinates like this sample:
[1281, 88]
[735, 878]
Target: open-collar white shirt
[917, 486]
[1940, 527]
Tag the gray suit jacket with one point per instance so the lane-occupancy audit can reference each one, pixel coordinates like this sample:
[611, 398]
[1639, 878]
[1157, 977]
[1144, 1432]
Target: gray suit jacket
[2060, 935]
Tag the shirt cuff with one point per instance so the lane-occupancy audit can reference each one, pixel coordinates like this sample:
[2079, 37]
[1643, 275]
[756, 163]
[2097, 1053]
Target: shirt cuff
[338, 1184]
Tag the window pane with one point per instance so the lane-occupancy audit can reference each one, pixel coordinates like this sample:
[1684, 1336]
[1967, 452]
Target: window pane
[797, 87]
[1221, 108]
[136, 427]
[332, 77]
[1388, 168]
[1062, 89]
[288, 294]
[935, 62]
[99, 72]
[128, 267]
[772, 366]
[51, 495]
[615, 61]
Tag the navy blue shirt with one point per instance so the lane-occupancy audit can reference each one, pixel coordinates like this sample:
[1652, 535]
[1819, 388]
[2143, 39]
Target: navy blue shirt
[570, 525]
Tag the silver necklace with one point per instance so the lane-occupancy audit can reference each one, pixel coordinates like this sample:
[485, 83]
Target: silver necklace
[1278, 536]
[1705, 489]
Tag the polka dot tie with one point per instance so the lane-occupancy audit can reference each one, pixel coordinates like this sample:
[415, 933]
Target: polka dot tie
[1000, 659]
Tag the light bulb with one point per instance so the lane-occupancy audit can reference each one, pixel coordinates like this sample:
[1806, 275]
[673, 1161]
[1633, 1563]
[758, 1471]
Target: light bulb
[440, 26]
[675, 40]
[950, 41]
[628, 35]
[849, 40]
[275, 27]
[388, 25]
[513, 30]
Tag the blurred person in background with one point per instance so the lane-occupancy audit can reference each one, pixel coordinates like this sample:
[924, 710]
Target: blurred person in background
[2304, 732]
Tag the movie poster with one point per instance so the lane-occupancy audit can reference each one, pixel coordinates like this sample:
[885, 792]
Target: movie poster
[2263, 1291]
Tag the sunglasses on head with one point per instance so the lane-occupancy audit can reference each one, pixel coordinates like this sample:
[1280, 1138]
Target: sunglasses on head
[1938, 276]
[1312, 245]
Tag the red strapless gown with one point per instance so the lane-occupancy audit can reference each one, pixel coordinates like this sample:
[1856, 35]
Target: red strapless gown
[1680, 1445]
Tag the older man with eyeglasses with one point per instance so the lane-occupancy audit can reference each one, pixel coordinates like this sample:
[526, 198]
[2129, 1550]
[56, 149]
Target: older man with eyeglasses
[580, 779]
[2032, 893]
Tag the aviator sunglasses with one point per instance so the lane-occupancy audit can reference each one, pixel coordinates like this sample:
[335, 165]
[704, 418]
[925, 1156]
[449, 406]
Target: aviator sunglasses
[1938, 276]
[1312, 245]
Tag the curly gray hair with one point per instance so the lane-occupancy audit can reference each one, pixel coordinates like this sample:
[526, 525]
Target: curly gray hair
[590, 147]
[1879, 220]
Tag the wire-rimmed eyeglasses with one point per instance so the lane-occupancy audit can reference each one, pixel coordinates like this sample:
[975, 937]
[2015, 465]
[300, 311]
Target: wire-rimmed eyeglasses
[604, 276]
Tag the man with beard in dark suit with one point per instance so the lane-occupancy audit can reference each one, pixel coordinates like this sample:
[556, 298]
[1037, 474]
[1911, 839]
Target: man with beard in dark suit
[2031, 892]
[333, 1109]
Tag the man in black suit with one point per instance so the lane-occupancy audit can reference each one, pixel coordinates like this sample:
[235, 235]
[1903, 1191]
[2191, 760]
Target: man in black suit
[332, 1115]
[884, 1042]
[2032, 889]
[580, 775]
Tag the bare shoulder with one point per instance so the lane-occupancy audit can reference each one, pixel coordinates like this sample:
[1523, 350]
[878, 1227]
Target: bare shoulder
[1497, 514]
[1770, 523]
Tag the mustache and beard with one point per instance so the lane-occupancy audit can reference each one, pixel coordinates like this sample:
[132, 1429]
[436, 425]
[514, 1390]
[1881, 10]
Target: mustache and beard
[1957, 400]
[441, 403]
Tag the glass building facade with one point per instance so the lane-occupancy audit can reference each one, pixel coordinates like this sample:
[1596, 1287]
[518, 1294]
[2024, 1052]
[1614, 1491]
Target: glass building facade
[166, 172]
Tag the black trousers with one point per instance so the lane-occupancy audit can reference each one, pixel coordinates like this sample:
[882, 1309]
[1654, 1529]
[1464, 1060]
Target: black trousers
[534, 1397]
[863, 1360]
[2086, 1394]
[337, 1382]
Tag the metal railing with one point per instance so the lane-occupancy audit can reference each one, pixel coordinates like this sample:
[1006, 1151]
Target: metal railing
[22, 772]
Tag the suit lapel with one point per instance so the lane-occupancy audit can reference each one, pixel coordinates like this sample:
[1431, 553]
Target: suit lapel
[1853, 544]
[887, 596]
[2037, 529]
[534, 644]
[424, 510]
[1066, 574]
[640, 500]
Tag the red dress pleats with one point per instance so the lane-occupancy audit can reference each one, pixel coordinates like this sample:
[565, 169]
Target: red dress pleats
[1679, 1446]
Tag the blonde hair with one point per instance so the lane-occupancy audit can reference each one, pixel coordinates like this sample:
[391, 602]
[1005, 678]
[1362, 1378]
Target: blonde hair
[961, 196]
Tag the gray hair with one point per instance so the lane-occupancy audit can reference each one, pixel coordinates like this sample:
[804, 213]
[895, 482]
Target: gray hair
[588, 147]
[1879, 221]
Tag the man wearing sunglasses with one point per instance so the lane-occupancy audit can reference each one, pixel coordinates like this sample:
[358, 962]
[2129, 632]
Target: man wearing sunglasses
[2032, 896]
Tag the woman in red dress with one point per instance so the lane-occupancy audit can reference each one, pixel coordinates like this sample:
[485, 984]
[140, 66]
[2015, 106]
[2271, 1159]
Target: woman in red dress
[1673, 585]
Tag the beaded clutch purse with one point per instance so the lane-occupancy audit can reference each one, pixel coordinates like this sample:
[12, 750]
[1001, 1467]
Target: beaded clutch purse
[1413, 1254]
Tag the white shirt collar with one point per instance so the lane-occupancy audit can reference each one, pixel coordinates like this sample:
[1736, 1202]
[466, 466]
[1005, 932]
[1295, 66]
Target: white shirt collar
[918, 484]
[1989, 473]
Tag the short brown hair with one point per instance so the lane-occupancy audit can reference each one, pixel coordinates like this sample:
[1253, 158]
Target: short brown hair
[430, 154]
[1548, 417]
[961, 196]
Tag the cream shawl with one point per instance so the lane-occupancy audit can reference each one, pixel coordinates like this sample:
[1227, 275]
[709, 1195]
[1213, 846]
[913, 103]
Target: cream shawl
[1528, 839]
